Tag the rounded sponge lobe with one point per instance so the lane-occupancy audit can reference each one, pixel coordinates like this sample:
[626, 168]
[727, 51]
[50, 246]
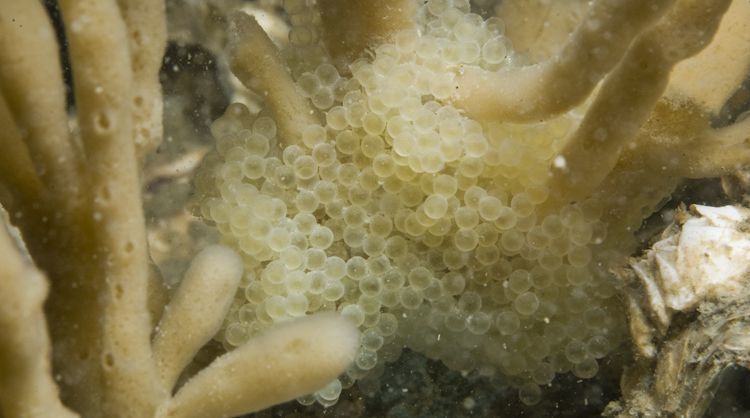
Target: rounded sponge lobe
[291, 360]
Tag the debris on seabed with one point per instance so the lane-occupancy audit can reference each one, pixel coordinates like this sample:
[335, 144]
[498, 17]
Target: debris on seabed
[689, 306]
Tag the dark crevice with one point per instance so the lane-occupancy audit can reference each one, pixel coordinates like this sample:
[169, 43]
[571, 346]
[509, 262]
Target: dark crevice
[53, 10]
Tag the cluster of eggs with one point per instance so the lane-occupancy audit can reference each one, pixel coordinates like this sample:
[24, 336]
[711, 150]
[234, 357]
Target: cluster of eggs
[425, 228]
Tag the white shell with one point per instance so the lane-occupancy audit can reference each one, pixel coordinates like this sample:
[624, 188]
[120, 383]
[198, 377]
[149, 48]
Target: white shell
[706, 259]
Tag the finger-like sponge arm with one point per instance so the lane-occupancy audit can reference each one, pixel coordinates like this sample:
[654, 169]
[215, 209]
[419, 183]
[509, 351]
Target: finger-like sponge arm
[196, 311]
[289, 361]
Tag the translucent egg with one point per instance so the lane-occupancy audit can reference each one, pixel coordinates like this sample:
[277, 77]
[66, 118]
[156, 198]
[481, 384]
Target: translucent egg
[526, 303]
[354, 314]
[436, 206]
[507, 323]
[494, 50]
